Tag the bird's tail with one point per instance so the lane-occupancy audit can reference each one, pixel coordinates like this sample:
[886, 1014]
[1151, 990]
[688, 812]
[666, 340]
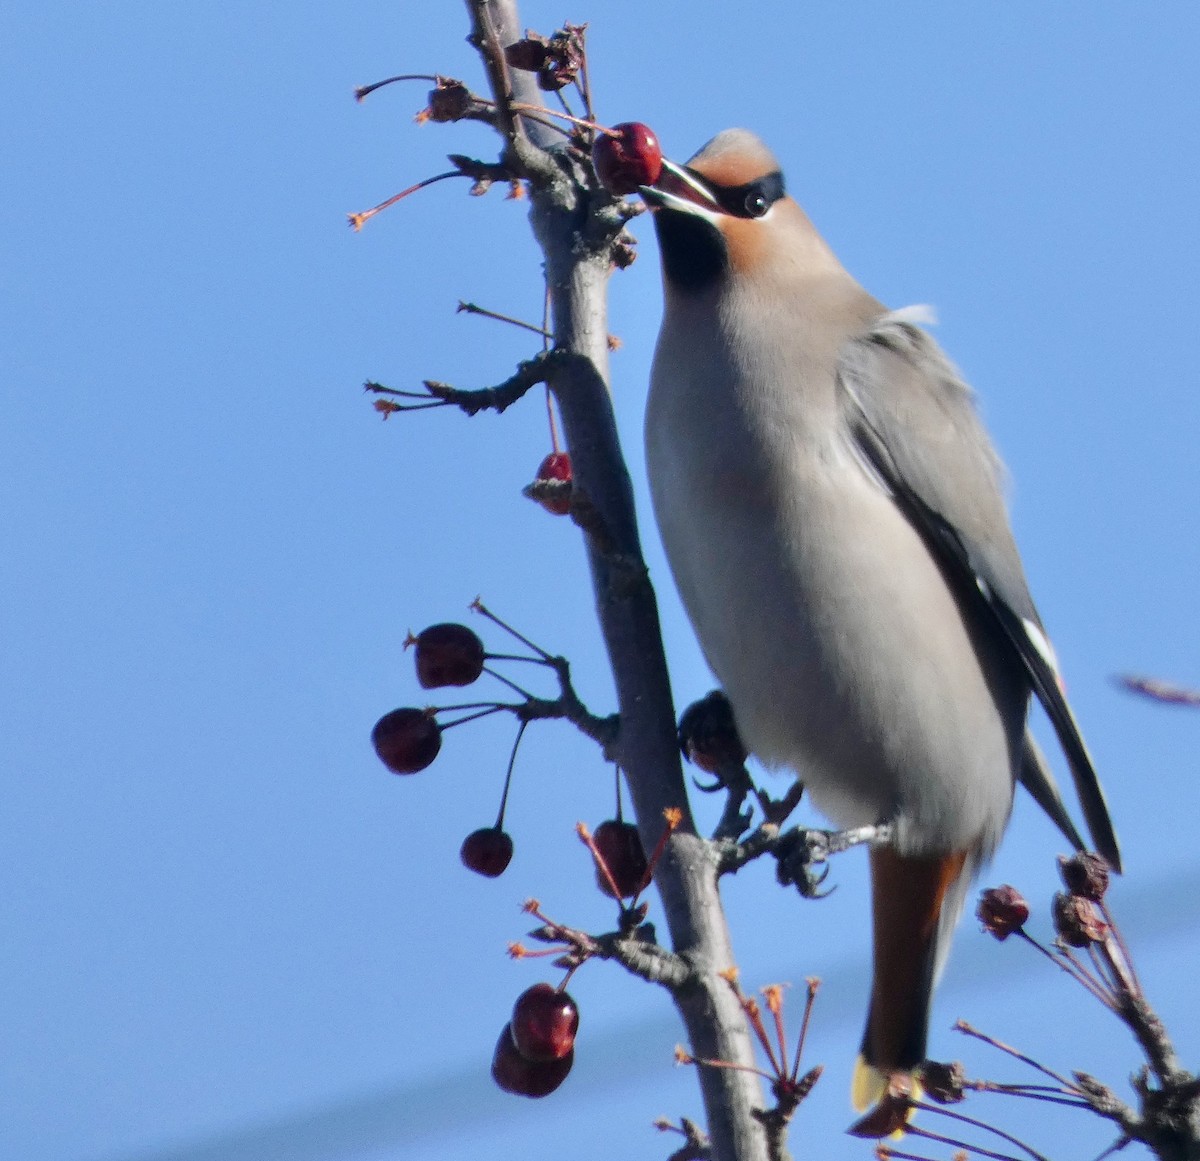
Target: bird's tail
[917, 901]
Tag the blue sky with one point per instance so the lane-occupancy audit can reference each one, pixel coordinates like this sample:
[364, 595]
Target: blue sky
[229, 933]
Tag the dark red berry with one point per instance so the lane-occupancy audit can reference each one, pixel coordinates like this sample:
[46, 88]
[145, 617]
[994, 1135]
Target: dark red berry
[531, 1078]
[448, 654]
[407, 740]
[553, 483]
[1002, 911]
[630, 160]
[487, 851]
[544, 1023]
[621, 849]
[708, 735]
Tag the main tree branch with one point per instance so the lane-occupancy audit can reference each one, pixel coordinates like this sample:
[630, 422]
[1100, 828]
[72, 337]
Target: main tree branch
[565, 208]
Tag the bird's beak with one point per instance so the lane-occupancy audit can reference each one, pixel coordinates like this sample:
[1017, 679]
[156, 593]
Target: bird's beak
[678, 188]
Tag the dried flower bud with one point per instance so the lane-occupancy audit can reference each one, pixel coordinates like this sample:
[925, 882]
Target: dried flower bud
[564, 57]
[624, 253]
[708, 734]
[805, 1084]
[1002, 911]
[943, 1082]
[1077, 921]
[450, 101]
[1084, 874]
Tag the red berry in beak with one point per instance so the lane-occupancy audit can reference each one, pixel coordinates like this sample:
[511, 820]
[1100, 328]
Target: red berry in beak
[407, 740]
[448, 655]
[544, 1023]
[621, 849]
[531, 1078]
[630, 160]
[487, 851]
[555, 470]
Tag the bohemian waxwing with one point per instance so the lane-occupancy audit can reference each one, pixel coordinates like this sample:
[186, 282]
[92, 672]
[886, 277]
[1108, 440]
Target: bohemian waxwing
[831, 509]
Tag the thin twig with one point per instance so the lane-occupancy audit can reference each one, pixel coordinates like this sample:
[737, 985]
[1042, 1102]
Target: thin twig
[968, 1030]
[472, 308]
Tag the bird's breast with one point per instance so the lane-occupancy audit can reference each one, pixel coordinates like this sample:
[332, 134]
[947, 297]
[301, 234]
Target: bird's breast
[818, 606]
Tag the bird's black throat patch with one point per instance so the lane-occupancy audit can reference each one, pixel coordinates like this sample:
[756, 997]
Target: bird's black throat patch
[694, 254]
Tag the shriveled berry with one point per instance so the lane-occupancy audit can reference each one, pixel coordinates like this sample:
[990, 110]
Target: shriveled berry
[1077, 921]
[1084, 874]
[945, 1083]
[487, 851]
[544, 1023]
[552, 484]
[531, 1078]
[621, 849]
[407, 740]
[448, 654]
[629, 160]
[708, 735]
[449, 101]
[1002, 911]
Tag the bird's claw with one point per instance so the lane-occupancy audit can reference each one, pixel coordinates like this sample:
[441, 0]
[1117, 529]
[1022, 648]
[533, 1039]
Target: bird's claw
[802, 861]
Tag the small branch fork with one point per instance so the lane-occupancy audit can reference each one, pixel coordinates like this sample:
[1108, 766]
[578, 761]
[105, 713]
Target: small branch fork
[633, 946]
[499, 398]
[696, 1146]
[567, 706]
[787, 1086]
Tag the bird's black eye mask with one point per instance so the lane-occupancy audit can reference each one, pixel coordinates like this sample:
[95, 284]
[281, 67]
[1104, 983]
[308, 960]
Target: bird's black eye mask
[751, 200]
[694, 253]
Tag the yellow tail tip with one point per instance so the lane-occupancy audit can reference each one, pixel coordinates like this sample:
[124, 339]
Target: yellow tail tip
[889, 1096]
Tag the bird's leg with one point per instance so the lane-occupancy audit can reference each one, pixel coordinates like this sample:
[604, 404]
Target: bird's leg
[801, 850]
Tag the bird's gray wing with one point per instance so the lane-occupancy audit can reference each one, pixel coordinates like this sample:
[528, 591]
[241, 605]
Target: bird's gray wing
[913, 421]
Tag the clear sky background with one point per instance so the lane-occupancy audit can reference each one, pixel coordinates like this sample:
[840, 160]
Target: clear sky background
[228, 933]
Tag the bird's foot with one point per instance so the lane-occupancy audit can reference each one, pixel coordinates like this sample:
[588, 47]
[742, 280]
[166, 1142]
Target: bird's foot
[801, 852]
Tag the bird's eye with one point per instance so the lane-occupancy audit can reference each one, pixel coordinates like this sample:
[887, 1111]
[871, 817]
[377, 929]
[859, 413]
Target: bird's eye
[756, 205]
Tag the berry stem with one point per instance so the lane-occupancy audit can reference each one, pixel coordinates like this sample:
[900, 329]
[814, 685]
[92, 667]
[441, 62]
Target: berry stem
[357, 221]
[975, 1123]
[473, 717]
[518, 657]
[562, 100]
[1130, 971]
[477, 606]
[518, 107]
[365, 90]
[508, 776]
[969, 1030]
[584, 86]
[511, 684]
